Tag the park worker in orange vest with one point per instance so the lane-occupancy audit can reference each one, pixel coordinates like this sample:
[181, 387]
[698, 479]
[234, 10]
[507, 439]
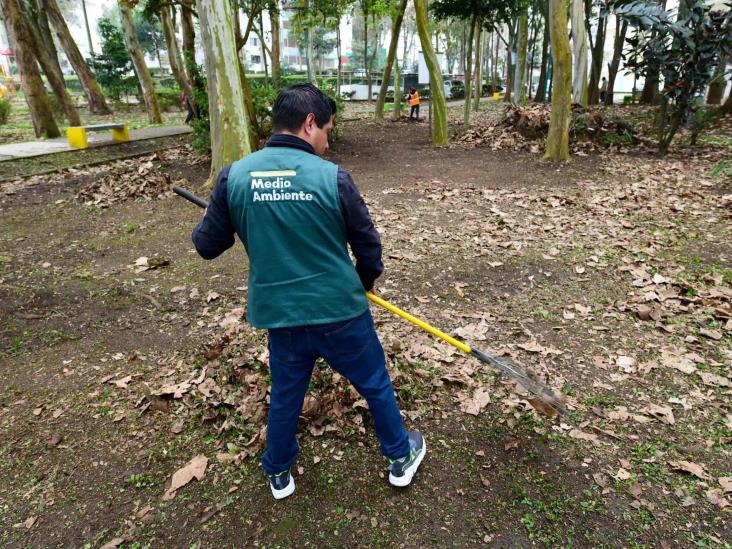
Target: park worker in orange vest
[414, 103]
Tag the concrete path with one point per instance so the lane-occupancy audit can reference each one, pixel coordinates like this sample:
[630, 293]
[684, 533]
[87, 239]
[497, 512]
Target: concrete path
[29, 149]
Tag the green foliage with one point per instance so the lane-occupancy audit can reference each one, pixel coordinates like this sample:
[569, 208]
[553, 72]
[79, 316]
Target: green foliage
[149, 32]
[56, 107]
[683, 49]
[113, 64]
[5, 108]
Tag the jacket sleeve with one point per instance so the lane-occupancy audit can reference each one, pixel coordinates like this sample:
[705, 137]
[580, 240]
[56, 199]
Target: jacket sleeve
[214, 234]
[362, 236]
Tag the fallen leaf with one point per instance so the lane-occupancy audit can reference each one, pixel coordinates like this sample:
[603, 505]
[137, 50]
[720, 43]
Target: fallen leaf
[711, 334]
[715, 497]
[726, 484]
[196, 468]
[581, 435]
[113, 543]
[473, 405]
[713, 379]
[664, 413]
[689, 467]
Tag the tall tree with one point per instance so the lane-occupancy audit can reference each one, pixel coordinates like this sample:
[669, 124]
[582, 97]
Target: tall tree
[39, 19]
[138, 62]
[86, 25]
[439, 135]
[579, 43]
[650, 95]
[469, 70]
[229, 125]
[477, 92]
[597, 47]
[397, 110]
[718, 83]
[92, 91]
[274, 18]
[621, 29]
[519, 87]
[189, 32]
[30, 77]
[557, 141]
[396, 27]
[177, 65]
[540, 96]
[53, 75]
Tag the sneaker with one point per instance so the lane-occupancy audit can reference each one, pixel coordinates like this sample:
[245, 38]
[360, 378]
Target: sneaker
[282, 484]
[401, 471]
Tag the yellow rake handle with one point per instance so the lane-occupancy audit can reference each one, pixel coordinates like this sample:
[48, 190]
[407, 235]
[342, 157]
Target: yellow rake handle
[414, 320]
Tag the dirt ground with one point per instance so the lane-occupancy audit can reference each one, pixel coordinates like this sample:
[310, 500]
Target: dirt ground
[611, 277]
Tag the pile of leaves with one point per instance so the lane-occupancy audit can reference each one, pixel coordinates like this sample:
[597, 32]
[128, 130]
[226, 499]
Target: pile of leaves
[129, 179]
[520, 127]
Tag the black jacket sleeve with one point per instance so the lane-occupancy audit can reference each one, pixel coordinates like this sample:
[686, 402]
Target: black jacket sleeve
[361, 234]
[214, 234]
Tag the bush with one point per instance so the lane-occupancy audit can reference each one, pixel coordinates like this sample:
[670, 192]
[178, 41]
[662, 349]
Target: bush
[201, 135]
[167, 97]
[4, 110]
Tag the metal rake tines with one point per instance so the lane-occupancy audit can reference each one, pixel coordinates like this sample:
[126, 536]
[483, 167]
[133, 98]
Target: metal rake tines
[526, 379]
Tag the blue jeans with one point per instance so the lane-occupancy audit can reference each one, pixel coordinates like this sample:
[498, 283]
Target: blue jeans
[352, 349]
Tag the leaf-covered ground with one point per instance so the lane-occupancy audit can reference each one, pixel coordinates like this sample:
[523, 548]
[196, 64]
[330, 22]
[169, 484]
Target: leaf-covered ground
[124, 359]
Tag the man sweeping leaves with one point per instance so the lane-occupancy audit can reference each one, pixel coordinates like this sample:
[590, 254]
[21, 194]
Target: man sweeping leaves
[296, 215]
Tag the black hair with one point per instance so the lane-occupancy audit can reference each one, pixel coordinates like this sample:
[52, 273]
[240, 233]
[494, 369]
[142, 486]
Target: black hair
[293, 105]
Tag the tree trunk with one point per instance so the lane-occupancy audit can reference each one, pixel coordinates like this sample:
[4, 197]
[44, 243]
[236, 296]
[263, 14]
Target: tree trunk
[397, 111]
[718, 83]
[339, 72]
[138, 62]
[86, 25]
[579, 43]
[650, 95]
[478, 74]
[92, 91]
[494, 80]
[40, 21]
[540, 96]
[726, 107]
[509, 64]
[612, 68]
[189, 32]
[309, 56]
[264, 49]
[469, 72]
[557, 142]
[519, 89]
[534, 30]
[396, 27]
[177, 66]
[598, 49]
[229, 126]
[274, 17]
[30, 78]
[439, 136]
[55, 78]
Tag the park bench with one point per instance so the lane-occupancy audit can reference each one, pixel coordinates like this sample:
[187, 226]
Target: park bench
[77, 134]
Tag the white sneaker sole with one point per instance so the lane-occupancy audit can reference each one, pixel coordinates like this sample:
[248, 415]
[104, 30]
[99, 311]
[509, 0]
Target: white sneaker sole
[408, 475]
[286, 491]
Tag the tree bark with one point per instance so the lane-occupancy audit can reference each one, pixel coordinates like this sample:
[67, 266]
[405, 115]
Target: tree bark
[478, 73]
[726, 107]
[309, 56]
[718, 83]
[138, 63]
[579, 42]
[189, 32]
[30, 78]
[92, 91]
[55, 78]
[612, 68]
[519, 89]
[274, 17]
[397, 111]
[177, 66]
[557, 142]
[469, 72]
[509, 64]
[540, 96]
[650, 95]
[40, 23]
[439, 136]
[396, 27]
[229, 125]
[598, 50]
[86, 25]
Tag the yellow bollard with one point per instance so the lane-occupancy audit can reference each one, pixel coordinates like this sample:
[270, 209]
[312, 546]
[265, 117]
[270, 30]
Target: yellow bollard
[77, 137]
[496, 96]
[121, 135]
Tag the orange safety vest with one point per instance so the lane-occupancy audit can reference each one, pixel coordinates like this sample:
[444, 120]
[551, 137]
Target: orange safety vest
[413, 99]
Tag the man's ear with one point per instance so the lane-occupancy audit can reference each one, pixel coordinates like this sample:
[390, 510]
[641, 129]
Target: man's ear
[309, 122]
